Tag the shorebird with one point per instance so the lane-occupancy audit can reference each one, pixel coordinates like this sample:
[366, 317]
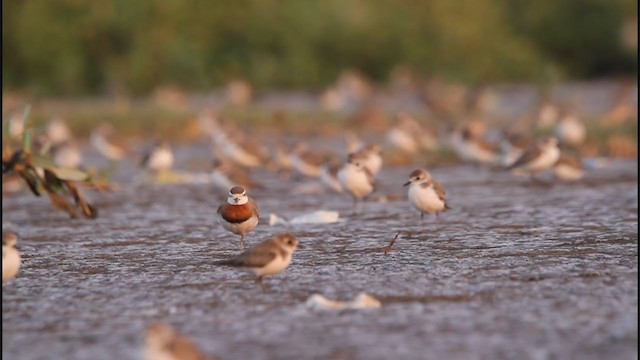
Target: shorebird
[307, 162]
[159, 158]
[238, 92]
[282, 161]
[513, 146]
[329, 176]
[225, 175]
[538, 157]
[269, 257]
[547, 115]
[162, 342]
[57, 131]
[471, 146]
[239, 214]
[10, 256]
[355, 178]
[372, 155]
[103, 139]
[232, 143]
[352, 142]
[568, 168]
[409, 136]
[426, 194]
[570, 130]
[16, 126]
[67, 155]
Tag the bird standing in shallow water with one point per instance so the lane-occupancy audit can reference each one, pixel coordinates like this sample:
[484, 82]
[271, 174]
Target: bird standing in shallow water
[426, 194]
[239, 214]
[269, 257]
[10, 256]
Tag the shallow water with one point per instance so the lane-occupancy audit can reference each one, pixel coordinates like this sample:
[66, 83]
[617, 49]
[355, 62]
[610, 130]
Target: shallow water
[513, 271]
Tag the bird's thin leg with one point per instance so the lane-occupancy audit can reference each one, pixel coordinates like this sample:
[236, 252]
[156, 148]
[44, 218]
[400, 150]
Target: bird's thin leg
[421, 215]
[242, 242]
[261, 283]
[355, 206]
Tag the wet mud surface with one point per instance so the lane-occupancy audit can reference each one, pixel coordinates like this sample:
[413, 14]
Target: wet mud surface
[514, 271]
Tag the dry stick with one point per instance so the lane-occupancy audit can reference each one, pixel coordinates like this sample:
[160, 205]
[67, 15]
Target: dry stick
[387, 249]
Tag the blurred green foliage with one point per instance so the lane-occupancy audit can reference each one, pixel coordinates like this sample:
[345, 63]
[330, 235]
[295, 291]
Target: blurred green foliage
[72, 47]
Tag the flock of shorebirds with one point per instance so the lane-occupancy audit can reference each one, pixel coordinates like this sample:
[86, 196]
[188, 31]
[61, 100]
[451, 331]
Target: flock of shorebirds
[234, 153]
[355, 174]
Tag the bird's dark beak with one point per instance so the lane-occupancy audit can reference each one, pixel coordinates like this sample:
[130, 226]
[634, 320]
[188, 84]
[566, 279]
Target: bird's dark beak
[236, 200]
[407, 183]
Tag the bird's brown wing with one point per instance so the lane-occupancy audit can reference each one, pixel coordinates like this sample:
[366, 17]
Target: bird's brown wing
[255, 207]
[440, 190]
[531, 153]
[185, 349]
[256, 257]
[570, 160]
[485, 145]
[370, 178]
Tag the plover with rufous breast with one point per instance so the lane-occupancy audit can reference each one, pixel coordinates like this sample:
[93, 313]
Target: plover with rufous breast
[538, 157]
[163, 342]
[426, 194]
[356, 179]
[239, 214]
[10, 256]
[269, 257]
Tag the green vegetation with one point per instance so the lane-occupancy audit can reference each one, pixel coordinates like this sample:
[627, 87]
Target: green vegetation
[73, 47]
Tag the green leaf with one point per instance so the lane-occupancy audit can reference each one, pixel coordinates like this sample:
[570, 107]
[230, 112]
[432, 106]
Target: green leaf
[5, 128]
[70, 174]
[25, 112]
[42, 161]
[26, 136]
[26, 140]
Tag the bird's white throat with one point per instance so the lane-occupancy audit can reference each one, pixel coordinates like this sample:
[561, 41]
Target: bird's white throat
[243, 200]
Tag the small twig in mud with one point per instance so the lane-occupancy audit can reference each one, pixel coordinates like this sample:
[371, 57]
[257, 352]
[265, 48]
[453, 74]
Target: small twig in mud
[387, 249]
